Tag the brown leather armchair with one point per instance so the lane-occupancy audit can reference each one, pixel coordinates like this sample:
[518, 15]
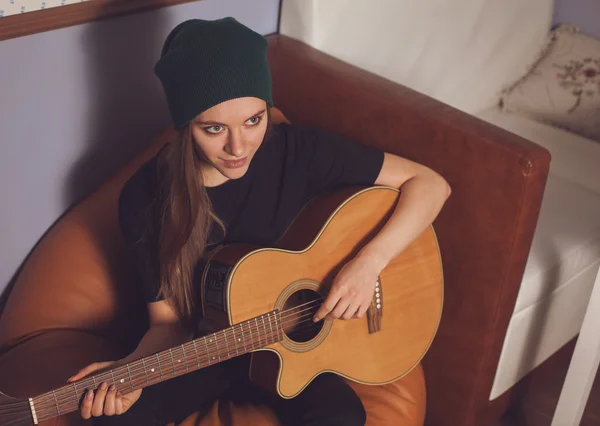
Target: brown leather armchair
[73, 302]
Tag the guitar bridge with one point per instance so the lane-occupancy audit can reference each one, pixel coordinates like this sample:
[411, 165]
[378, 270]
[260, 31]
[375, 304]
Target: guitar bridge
[375, 311]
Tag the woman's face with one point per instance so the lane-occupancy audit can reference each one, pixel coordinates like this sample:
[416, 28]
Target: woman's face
[227, 137]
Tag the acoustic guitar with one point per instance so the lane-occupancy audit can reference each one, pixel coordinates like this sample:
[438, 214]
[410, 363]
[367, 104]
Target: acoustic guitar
[262, 300]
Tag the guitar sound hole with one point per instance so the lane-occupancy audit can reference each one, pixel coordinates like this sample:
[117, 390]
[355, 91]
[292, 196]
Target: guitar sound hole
[297, 316]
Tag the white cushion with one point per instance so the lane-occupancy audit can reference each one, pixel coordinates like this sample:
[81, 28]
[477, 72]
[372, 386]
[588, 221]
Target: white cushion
[558, 279]
[461, 52]
[563, 88]
[574, 157]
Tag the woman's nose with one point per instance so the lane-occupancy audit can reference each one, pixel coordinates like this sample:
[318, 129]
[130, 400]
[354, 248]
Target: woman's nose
[235, 145]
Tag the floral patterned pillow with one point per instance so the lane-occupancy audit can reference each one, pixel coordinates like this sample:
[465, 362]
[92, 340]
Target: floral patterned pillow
[563, 88]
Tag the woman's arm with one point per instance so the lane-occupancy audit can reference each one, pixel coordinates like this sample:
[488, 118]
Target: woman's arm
[423, 193]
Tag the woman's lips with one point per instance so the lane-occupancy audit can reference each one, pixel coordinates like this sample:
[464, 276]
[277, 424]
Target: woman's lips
[235, 164]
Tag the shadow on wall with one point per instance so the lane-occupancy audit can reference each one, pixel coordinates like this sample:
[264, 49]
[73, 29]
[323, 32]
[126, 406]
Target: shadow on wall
[126, 105]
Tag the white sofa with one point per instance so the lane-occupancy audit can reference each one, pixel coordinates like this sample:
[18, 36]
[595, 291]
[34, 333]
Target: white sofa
[463, 53]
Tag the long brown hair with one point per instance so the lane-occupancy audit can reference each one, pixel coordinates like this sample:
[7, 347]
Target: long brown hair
[185, 218]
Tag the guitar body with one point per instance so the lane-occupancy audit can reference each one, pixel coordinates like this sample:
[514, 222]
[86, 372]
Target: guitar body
[241, 282]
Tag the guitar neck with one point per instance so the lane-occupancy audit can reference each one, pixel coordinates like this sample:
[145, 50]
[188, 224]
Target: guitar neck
[202, 352]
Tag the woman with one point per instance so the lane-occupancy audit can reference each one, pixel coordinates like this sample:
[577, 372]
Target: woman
[231, 176]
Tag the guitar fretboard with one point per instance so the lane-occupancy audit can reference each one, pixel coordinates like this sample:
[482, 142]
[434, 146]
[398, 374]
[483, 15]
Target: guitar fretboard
[202, 352]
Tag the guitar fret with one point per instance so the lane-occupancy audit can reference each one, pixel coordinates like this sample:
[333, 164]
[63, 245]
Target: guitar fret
[251, 338]
[184, 359]
[129, 374]
[270, 325]
[258, 331]
[76, 393]
[235, 340]
[56, 401]
[197, 356]
[265, 328]
[244, 338]
[145, 372]
[113, 377]
[217, 346]
[207, 354]
[159, 367]
[172, 362]
[226, 344]
[278, 324]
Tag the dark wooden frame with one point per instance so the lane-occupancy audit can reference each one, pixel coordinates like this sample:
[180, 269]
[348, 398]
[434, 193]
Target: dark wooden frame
[74, 14]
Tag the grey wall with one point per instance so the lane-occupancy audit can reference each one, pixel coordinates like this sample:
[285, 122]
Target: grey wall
[583, 13]
[77, 103]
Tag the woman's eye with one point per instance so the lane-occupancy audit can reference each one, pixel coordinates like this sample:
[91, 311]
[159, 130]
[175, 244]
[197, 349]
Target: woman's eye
[253, 121]
[214, 129]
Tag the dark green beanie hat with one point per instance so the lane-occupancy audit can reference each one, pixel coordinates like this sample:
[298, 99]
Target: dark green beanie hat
[204, 63]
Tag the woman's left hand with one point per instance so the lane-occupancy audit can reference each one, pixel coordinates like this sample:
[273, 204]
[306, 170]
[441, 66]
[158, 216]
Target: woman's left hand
[351, 292]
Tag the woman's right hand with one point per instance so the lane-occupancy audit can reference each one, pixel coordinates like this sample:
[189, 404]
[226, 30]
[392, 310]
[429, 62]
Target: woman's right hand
[107, 400]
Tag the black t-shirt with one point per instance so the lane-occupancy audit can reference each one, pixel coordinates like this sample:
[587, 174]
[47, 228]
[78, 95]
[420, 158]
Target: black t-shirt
[287, 171]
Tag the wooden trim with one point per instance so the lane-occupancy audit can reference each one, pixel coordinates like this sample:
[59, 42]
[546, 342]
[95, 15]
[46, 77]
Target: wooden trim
[74, 14]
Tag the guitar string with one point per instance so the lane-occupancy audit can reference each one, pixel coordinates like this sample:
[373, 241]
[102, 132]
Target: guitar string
[135, 370]
[68, 403]
[134, 374]
[52, 405]
[74, 405]
[50, 411]
[16, 407]
[290, 314]
[16, 403]
[140, 372]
